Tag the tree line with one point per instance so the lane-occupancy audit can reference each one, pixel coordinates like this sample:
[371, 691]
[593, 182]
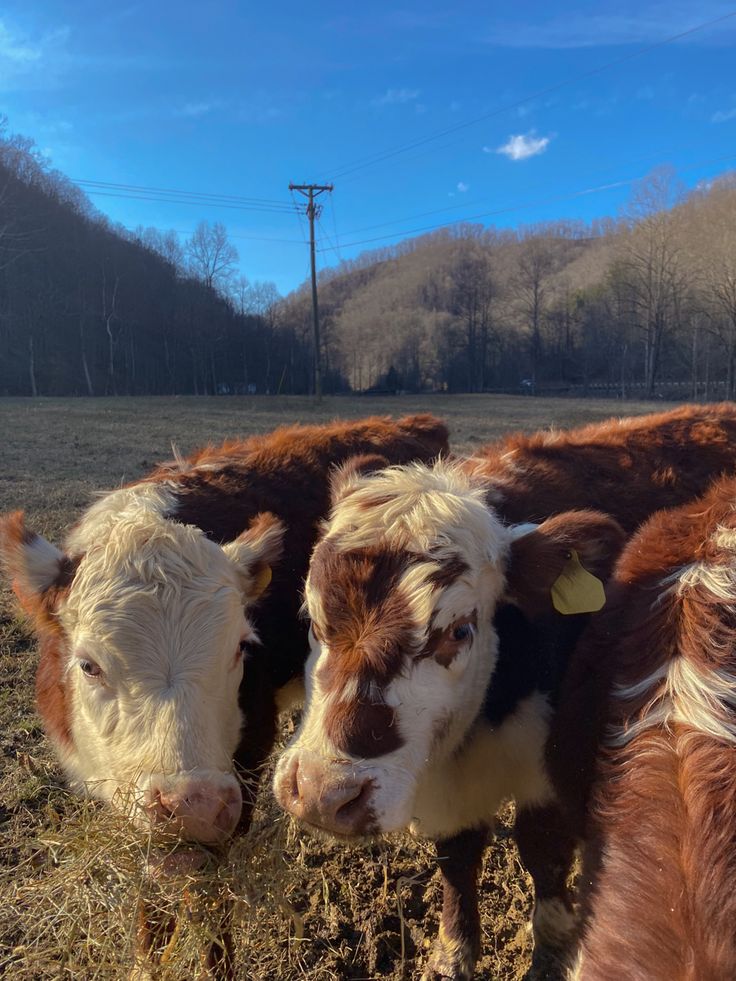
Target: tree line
[90, 308]
[637, 306]
[641, 305]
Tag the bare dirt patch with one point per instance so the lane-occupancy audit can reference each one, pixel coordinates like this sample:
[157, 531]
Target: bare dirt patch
[71, 874]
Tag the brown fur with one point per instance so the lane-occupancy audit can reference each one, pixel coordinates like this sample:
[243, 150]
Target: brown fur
[368, 624]
[537, 559]
[661, 853]
[448, 571]
[441, 645]
[363, 728]
[627, 469]
[343, 475]
[220, 489]
[457, 949]
[368, 628]
[51, 694]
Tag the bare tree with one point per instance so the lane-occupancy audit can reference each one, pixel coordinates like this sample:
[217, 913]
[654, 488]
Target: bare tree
[212, 258]
[109, 314]
[536, 262]
[711, 244]
[472, 295]
[651, 266]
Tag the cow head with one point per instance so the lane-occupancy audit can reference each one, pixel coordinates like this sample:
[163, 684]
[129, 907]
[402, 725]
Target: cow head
[402, 591]
[142, 628]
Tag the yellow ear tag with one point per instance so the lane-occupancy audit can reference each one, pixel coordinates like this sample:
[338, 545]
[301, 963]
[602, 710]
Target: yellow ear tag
[262, 579]
[576, 590]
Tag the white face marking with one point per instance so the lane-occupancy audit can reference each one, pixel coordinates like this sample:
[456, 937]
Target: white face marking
[153, 625]
[155, 620]
[440, 514]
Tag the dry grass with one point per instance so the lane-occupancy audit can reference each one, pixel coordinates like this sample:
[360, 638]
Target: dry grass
[72, 874]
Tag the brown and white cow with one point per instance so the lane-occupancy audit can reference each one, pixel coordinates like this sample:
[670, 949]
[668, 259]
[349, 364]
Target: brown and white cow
[648, 712]
[144, 617]
[437, 655]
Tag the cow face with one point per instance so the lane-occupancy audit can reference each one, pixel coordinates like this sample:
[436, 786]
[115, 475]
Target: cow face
[142, 636]
[402, 592]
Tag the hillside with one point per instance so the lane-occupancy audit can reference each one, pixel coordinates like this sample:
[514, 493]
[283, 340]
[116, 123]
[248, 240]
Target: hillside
[87, 308]
[642, 304]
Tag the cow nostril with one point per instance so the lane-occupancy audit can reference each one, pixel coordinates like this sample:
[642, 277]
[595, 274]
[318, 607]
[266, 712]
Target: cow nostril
[356, 804]
[296, 790]
[225, 818]
[159, 809]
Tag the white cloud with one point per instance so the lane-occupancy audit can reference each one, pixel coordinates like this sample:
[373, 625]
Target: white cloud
[30, 63]
[521, 146]
[395, 97]
[463, 187]
[15, 51]
[723, 115]
[194, 109]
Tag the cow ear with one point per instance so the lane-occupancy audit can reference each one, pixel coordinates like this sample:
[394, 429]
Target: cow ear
[346, 476]
[33, 564]
[562, 563]
[255, 551]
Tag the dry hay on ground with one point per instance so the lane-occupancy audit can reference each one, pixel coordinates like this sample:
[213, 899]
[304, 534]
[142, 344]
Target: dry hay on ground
[296, 907]
[72, 874]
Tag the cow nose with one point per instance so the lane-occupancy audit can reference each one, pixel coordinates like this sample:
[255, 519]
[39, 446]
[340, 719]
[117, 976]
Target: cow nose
[199, 811]
[314, 792]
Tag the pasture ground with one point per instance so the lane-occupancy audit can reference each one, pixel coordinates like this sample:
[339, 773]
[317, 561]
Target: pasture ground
[299, 908]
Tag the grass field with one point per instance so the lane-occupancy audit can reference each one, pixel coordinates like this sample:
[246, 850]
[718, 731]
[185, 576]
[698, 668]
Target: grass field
[300, 908]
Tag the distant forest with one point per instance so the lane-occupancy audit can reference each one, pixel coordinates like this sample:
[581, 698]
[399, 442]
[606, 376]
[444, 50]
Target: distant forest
[643, 305]
[90, 308]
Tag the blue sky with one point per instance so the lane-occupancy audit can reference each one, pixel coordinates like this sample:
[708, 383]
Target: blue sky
[242, 98]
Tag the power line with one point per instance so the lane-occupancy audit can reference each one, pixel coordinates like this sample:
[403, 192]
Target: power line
[334, 225]
[248, 238]
[189, 201]
[414, 156]
[236, 198]
[517, 207]
[333, 245]
[375, 158]
[659, 154]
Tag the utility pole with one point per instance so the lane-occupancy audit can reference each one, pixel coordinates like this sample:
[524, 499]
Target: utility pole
[311, 191]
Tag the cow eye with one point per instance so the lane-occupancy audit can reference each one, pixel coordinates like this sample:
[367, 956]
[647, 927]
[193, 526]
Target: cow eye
[463, 631]
[90, 669]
